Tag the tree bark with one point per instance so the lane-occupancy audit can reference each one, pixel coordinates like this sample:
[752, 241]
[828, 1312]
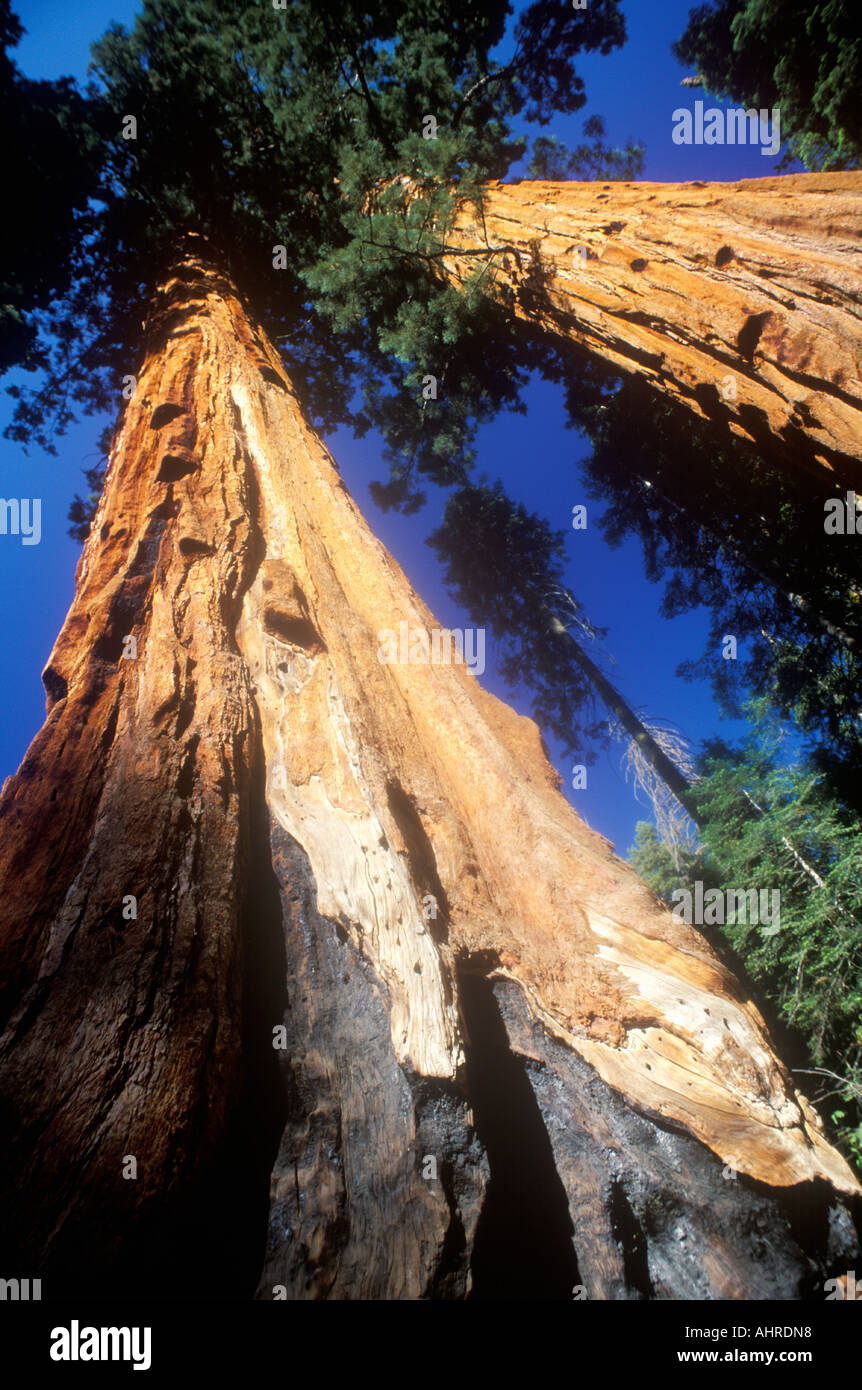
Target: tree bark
[741, 301]
[390, 1021]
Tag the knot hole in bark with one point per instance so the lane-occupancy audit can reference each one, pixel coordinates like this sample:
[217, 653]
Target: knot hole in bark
[56, 686]
[286, 615]
[164, 413]
[292, 628]
[173, 467]
[749, 334]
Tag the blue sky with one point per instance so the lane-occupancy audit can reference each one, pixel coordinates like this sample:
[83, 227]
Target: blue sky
[636, 90]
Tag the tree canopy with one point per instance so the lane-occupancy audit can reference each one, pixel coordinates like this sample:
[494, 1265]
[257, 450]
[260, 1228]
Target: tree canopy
[806, 60]
[258, 128]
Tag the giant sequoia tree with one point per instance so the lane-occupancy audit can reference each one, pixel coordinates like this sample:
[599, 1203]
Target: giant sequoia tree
[288, 930]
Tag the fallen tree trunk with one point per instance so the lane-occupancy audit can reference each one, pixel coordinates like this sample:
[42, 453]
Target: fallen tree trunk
[314, 984]
[741, 301]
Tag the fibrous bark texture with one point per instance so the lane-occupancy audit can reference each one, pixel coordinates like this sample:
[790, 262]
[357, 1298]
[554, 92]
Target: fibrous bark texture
[314, 984]
[742, 301]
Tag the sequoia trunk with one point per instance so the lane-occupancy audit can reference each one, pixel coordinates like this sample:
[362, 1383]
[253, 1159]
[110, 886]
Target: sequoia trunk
[741, 301]
[314, 983]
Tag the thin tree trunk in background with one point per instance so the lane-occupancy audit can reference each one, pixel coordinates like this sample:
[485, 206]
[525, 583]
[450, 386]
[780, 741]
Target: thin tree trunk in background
[742, 301]
[625, 716]
[390, 1020]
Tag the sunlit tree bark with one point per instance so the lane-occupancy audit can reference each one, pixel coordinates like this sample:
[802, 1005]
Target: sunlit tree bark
[742, 301]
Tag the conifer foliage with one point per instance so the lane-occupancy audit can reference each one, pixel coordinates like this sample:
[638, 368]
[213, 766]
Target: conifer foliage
[769, 822]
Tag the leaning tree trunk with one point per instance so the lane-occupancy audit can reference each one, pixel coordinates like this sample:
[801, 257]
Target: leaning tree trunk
[740, 301]
[314, 984]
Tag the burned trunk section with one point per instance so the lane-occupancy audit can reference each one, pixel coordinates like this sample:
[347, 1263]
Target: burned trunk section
[352, 1216]
[655, 1214]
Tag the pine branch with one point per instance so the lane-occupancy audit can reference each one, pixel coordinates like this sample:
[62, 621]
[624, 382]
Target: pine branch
[811, 872]
[484, 81]
[409, 253]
